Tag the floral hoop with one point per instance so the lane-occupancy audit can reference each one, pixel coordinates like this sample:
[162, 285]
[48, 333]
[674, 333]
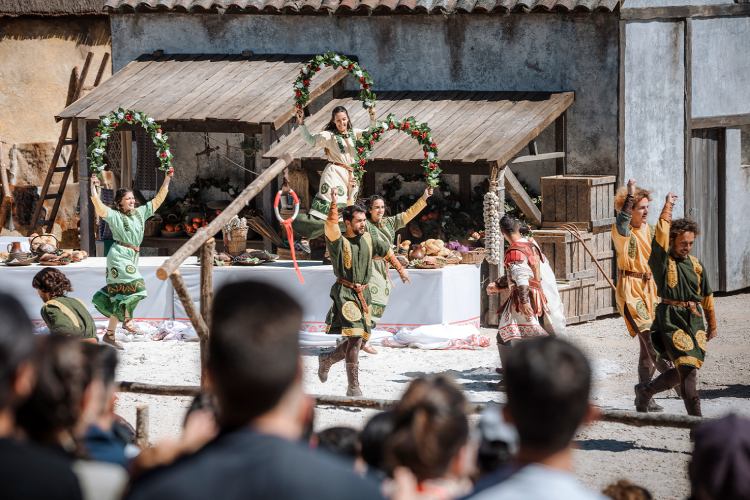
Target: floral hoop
[121, 116]
[302, 83]
[419, 131]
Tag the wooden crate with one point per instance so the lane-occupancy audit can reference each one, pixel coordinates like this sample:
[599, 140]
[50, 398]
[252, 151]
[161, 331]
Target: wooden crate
[601, 240]
[567, 257]
[608, 263]
[579, 299]
[586, 200]
[605, 299]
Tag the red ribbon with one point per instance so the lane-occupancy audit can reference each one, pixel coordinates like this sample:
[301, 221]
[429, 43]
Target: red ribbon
[287, 224]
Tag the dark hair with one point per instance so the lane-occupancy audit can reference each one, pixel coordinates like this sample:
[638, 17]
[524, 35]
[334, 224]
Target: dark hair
[429, 427]
[509, 224]
[373, 437]
[119, 195]
[101, 363]
[680, 226]
[340, 441]
[625, 490]
[16, 345]
[371, 201]
[348, 213]
[52, 281]
[55, 403]
[253, 350]
[544, 377]
[331, 126]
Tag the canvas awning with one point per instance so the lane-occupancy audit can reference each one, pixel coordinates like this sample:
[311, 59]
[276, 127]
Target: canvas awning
[195, 90]
[469, 127]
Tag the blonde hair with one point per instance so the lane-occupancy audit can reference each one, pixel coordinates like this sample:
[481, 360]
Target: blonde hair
[622, 193]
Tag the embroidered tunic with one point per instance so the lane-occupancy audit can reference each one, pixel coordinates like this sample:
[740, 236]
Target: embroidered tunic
[125, 286]
[351, 259]
[679, 333]
[380, 284]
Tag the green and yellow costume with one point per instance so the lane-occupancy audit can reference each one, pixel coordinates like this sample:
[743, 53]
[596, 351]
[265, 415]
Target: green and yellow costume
[678, 331]
[385, 230]
[351, 259]
[68, 316]
[125, 285]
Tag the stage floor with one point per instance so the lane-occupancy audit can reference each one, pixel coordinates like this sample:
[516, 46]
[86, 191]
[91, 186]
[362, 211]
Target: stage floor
[435, 296]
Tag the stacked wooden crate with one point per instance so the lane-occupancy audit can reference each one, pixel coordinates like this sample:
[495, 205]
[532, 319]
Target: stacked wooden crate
[586, 202]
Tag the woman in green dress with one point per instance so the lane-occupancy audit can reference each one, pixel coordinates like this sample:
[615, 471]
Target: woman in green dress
[125, 286]
[385, 228]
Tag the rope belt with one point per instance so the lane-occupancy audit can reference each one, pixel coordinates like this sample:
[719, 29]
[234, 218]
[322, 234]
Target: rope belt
[134, 248]
[633, 274]
[359, 290]
[689, 304]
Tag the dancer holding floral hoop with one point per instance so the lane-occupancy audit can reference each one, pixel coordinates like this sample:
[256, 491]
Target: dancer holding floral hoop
[338, 140]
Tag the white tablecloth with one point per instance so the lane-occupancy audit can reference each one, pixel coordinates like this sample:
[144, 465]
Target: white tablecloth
[442, 296]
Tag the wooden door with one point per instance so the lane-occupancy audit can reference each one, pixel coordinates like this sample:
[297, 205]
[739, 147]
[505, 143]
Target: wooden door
[704, 199]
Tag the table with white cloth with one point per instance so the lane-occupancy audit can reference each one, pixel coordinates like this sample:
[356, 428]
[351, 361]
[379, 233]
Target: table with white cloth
[435, 296]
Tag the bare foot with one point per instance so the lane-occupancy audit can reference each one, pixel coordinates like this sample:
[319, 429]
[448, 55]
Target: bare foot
[369, 349]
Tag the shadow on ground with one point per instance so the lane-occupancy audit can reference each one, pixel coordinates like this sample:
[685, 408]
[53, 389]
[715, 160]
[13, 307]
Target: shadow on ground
[617, 446]
[728, 391]
[473, 379]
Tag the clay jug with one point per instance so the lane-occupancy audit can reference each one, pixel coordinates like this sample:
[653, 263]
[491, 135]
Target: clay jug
[417, 252]
[14, 247]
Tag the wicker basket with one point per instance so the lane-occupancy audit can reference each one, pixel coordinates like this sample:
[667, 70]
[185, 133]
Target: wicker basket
[236, 242]
[152, 226]
[473, 257]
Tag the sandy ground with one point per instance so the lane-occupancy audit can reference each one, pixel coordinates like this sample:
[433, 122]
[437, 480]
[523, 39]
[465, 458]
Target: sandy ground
[652, 457]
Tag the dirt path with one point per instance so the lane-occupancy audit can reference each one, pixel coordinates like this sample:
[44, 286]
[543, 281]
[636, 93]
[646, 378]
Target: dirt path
[652, 457]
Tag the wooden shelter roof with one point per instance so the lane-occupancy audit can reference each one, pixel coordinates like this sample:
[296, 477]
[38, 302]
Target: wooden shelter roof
[202, 88]
[362, 6]
[468, 127]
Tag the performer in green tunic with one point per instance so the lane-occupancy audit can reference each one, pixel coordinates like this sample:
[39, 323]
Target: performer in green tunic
[385, 228]
[349, 316]
[678, 331]
[125, 285]
[63, 315]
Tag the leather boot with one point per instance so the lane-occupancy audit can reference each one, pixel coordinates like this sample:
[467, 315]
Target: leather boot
[352, 376]
[643, 398]
[109, 338]
[327, 360]
[693, 406]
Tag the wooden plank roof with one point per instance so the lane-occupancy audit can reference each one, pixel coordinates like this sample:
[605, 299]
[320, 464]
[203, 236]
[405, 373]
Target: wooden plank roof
[468, 127]
[361, 6]
[228, 88]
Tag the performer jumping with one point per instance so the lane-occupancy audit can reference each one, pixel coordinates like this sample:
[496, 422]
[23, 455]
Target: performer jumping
[338, 140]
[349, 316]
[636, 291]
[679, 333]
[528, 309]
[125, 286]
[385, 228]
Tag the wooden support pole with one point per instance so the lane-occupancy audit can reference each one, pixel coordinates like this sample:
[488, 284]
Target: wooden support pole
[6, 209]
[521, 198]
[141, 426]
[495, 271]
[86, 207]
[561, 143]
[203, 234]
[207, 280]
[605, 415]
[195, 318]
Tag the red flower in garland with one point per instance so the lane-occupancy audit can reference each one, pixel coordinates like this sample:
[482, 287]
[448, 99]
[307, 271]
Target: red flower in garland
[407, 125]
[317, 69]
[433, 166]
[375, 135]
[128, 118]
[433, 146]
[163, 154]
[362, 80]
[415, 133]
[306, 83]
[424, 135]
[391, 126]
[372, 143]
[297, 93]
[426, 154]
[362, 162]
[98, 133]
[360, 150]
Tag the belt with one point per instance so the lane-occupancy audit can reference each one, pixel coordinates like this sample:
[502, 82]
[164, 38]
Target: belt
[632, 274]
[343, 165]
[359, 290]
[134, 248]
[689, 304]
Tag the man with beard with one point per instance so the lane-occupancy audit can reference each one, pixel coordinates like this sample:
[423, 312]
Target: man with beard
[351, 256]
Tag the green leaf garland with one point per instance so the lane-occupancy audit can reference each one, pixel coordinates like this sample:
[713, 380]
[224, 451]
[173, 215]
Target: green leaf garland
[109, 123]
[302, 83]
[419, 131]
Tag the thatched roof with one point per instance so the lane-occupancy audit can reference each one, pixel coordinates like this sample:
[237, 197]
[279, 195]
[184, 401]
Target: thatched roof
[51, 7]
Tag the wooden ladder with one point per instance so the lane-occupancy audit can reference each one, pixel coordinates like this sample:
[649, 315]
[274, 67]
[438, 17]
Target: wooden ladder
[74, 93]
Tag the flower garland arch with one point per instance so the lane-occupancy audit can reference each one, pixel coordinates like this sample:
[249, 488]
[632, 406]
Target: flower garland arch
[420, 131]
[302, 83]
[121, 116]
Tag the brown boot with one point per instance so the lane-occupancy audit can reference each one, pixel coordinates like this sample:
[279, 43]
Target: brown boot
[327, 360]
[693, 406]
[352, 376]
[642, 398]
[109, 338]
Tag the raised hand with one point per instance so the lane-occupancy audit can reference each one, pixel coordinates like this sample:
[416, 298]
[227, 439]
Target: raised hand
[300, 114]
[427, 192]
[492, 289]
[333, 197]
[631, 187]
[671, 198]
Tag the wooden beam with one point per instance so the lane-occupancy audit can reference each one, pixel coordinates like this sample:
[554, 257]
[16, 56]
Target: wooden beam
[621, 105]
[720, 121]
[141, 426]
[687, 103]
[561, 143]
[195, 319]
[87, 230]
[684, 12]
[533, 150]
[203, 234]
[522, 199]
[207, 280]
[538, 157]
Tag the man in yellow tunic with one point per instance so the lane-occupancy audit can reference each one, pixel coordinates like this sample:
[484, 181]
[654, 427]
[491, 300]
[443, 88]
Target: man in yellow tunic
[636, 291]
[679, 333]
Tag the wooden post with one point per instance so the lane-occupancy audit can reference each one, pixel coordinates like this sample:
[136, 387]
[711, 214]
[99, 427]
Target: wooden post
[6, 199]
[195, 318]
[141, 426]
[87, 208]
[521, 197]
[561, 143]
[203, 234]
[207, 280]
[496, 271]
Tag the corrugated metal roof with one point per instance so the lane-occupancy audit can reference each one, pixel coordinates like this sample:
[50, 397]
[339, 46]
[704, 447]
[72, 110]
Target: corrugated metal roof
[250, 90]
[468, 127]
[51, 7]
[362, 6]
